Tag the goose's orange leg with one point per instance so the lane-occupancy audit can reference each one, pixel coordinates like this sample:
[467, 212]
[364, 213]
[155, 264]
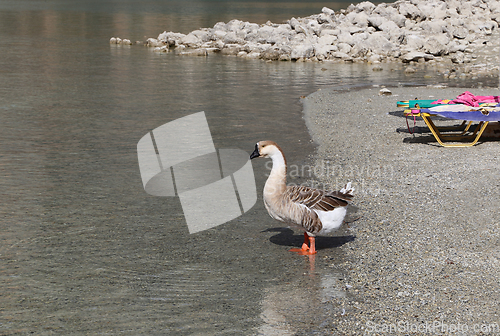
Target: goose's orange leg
[312, 246]
[308, 247]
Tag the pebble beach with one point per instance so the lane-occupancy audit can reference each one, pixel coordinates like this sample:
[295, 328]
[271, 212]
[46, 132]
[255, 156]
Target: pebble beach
[426, 226]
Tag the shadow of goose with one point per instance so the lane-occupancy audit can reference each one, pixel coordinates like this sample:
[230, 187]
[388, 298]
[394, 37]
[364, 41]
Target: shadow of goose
[286, 237]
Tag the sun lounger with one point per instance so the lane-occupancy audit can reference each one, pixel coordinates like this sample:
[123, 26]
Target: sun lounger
[482, 114]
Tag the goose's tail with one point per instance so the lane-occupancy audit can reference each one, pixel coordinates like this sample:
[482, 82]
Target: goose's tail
[347, 189]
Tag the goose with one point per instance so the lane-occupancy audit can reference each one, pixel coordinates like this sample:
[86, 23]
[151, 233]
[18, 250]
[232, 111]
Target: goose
[315, 211]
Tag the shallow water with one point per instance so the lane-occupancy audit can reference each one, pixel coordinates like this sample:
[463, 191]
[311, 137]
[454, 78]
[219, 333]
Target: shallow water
[83, 249]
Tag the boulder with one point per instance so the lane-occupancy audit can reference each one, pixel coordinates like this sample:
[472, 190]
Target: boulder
[327, 11]
[341, 56]
[152, 42]
[191, 40]
[433, 27]
[415, 56]
[358, 19]
[410, 11]
[414, 42]
[345, 37]
[365, 6]
[194, 52]
[391, 13]
[324, 51]
[389, 27]
[437, 45]
[231, 49]
[302, 51]
[171, 39]
[344, 48]
[327, 39]
[272, 54]
[232, 38]
[379, 44]
[376, 21]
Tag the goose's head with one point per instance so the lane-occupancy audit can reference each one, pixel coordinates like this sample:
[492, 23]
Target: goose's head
[265, 149]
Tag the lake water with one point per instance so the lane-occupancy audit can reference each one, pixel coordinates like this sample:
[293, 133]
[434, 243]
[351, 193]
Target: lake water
[83, 249]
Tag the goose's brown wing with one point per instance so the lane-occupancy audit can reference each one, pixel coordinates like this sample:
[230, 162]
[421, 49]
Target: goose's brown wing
[317, 199]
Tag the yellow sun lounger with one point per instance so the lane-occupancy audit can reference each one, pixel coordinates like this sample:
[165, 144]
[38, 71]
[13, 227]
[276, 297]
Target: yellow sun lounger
[469, 114]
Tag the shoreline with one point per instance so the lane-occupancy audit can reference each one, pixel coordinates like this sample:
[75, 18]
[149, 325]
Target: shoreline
[426, 247]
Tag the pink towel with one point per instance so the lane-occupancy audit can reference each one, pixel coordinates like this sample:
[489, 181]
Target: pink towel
[469, 99]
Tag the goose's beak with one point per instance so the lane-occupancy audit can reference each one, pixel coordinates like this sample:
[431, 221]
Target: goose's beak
[255, 153]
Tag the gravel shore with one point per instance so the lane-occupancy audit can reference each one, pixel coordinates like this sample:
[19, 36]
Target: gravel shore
[426, 255]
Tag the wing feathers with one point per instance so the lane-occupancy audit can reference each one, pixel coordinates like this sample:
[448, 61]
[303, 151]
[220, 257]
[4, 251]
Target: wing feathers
[317, 199]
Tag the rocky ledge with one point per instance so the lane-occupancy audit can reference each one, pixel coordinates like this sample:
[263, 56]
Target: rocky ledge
[404, 31]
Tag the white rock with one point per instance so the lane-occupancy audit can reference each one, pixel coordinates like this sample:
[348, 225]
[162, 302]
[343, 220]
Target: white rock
[323, 51]
[459, 32]
[161, 49]
[170, 38]
[329, 32]
[342, 56]
[385, 92]
[458, 57]
[344, 48]
[231, 49]
[411, 11]
[272, 54]
[389, 26]
[410, 70]
[314, 27]
[391, 13]
[232, 38]
[327, 11]
[194, 52]
[327, 39]
[219, 34]
[433, 27]
[235, 26]
[253, 55]
[436, 45]
[203, 34]
[414, 42]
[415, 56]
[374, 58]
[376, 20]
[365, 6]
[359, 19]
[399, 20]
[344, 37]
[378, 43]
[360, 50]
[325, 18]
[302, 51]
[191, 40]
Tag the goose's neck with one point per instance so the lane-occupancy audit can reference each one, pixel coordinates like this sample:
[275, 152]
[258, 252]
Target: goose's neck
[276, 182]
